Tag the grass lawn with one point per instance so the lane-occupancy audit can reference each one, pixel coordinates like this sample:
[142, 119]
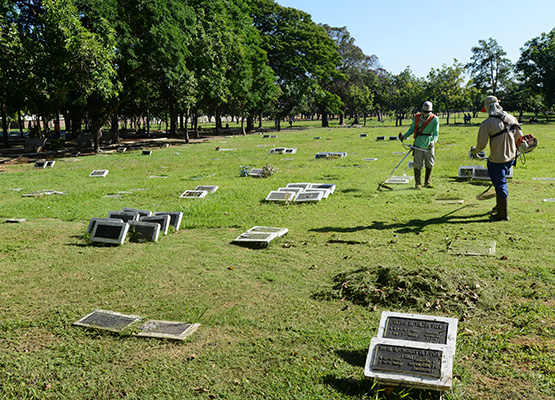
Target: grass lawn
[293, 320]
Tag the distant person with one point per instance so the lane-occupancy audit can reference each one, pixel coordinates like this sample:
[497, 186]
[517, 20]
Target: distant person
[502, 131]
[425, 130]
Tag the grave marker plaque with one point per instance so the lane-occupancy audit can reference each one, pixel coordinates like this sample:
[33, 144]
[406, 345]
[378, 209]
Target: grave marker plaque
[107, 320]
[291, 189]
[98, 173]
[147, 153]
[363, 135]
[380, 138]
[418, 328]
[269, 229]
[175, 217]
[400, 180]
[325, 192]
[194, 194]
[330, 186]
[320, 155]
[302, 185]
[142, 213]
[371, 159]
[280, 195]
[258, 239]
[466, 171]
[277, 150]
[162, 220]
[410, 360]
[308, 196]
[166, 329]
[393, 138]
[93, 221]
[143, 231]
[207, 188]
[109, 232]
[257, 172]
[50, 164]
[40, 164]
[126, 216]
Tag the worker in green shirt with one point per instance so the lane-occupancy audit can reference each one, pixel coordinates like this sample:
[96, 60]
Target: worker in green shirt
[425, 130]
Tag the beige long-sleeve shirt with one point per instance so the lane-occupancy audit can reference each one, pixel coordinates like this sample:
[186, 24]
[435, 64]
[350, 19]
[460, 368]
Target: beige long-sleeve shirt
[503, 147]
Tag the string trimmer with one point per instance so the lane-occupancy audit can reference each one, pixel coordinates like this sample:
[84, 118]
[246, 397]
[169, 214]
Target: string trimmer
[411, 149]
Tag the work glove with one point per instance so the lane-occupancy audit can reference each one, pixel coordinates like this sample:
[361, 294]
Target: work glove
[401, 137]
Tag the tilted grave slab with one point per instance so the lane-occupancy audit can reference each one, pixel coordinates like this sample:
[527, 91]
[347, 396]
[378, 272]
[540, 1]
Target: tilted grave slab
[40, 165]
[308, 197]
[302, 185]
[330, 186]
[380, 138]
[93, 221]
[166, 329]
[194, 194]
[126, 216]
[291, 189]
[175, 217]
[109, 232]
[394, 138]
[142, 213]
[98, 173]
[256, 239]
[279, 195]
[280, 232]
[147, 153]
[363, 135]
[291, 151]
[143, 231]
[466, 171]
[277, 150]
[162, 220]
[207, 188]
[321, 155]
[325, 192]
[108, 320]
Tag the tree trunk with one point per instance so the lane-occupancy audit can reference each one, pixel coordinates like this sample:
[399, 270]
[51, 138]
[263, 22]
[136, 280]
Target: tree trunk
[325, 122]
[341, 119]
[21, 123]
[5, 126]
[250, 123]
[173, 119]
[114, 126]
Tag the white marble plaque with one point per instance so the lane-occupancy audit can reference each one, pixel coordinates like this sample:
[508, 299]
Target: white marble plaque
[98, 173]
[259, 239]
[280, 232]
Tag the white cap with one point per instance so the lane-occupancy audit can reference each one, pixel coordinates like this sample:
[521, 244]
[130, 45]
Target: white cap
[490, 100]
[427, 106]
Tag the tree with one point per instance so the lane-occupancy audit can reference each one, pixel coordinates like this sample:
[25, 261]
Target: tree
[536, 66]
[489, 67]
[403, 93]
[444, 86]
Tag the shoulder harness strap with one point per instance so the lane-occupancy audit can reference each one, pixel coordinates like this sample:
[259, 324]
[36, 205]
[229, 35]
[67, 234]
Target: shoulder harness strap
[418, 130]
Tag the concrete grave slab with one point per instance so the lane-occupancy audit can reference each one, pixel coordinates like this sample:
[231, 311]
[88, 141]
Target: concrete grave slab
[109, 232]
[125, 216]
[370, 159]
[257, 172]
[291, 189]
[278, 195]
[14, 220]
[380, 138]
[280, 232]
[394, 138]
[363, 135]
[257, 239]
[291, 151]
[308, 197]
[302, 185]
[147, 153]
[162, 220]
[194, 194]
[548, 200]
[175, 217]
[40, 164]
[93, 221]
[143, 231]
[337, 154]
[108, 320]
[472, 248]
[402, 362]
[543, 179]
[325, 192]
[321, 155]
[98, 173]
[466, 171]
[142, 213]
[166, 329]
[50, 164]
[399, 180]
[207, 188]
[277, 150]
[160, 176]
[451, 201]
[480, 172]
[330, 186]
[121, 149]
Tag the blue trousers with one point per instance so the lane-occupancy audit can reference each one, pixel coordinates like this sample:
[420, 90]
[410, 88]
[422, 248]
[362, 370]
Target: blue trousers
[498, 175]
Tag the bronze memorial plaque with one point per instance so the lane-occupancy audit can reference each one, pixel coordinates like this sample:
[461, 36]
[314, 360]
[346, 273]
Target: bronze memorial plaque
[417, 330]
[408, 360]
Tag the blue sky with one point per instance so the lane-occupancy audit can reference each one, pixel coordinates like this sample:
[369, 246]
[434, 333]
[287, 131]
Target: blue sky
[427, 34]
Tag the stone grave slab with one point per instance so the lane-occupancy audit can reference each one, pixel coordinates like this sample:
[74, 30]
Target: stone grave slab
[403, 362]
[277, 150]
[548, 200]
[109, 232]
[14, 220]
[320, 155]
[142, 213]
[325, 192]
[302, 185]
[418, 328]
[40, 164]
[162, 220]
[308, 197]
[394, 138]
[399, 180]
[147, 153]
[330, 186]
[121, 149]
[143, 231]
[363, 135]
[543, 179]
[256, 239]
[291, 189]
[175, 217]
[480, 172]
[125, 216]
[291, 151]
[472, 248]
[50, 164]
[108, 320]
[273, 136]
[265, 136]
[466, 171]
[370, 159]
[98, 173]
[318, 138]
[194, 194]
[280, 232]
[337, 154]
[227, 149]
[160, 176]
[166, 329]
[93, 221]
[207, 188]
[279, 195]
[380, 138]
[257, 172]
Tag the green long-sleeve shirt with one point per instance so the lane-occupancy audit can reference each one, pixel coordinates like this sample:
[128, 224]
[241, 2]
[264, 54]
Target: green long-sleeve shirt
[430, 131]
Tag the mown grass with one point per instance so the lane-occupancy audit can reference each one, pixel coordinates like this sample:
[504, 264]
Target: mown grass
[277, 323]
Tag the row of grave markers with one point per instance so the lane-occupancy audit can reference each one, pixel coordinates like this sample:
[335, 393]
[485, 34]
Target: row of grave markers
[143, 225]
[302, 192]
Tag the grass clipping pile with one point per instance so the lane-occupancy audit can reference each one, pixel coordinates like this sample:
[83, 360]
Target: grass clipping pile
[418, 289]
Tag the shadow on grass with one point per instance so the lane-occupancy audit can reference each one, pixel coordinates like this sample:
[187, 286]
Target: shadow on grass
[414, 225]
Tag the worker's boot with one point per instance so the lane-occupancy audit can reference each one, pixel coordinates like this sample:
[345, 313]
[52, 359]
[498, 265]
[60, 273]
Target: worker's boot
[502, 209]
[418, 179]
[427, 181]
